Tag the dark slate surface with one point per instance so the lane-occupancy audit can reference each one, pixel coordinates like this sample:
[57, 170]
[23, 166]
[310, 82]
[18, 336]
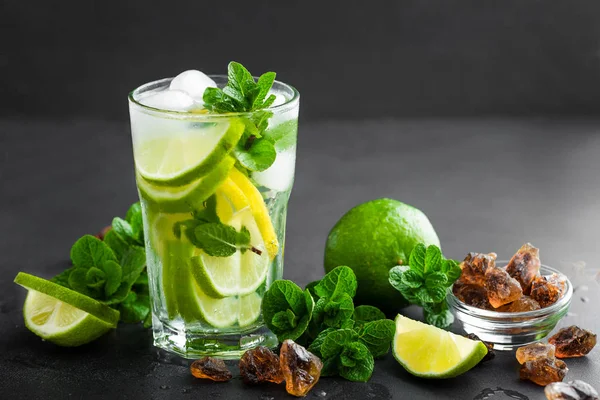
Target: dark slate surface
[487, 185]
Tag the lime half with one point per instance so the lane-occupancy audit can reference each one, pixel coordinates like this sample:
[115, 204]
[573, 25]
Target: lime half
[185, 198]
[63, 316]
[238, 274]
[430, 352]
[180, 158]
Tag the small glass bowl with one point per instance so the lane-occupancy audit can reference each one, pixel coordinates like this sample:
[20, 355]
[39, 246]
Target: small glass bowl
[509, 330]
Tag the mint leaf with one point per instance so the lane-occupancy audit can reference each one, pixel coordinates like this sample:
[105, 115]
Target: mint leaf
[356, 362]
[436, 279]
[260, 156]
[90, 251]
[113, 273]
[63, 278]
[377, 336]
[337, 310]
[283, 136]
[133, 264]
[264, 83]
[117, 245]
[282, 296]
[311, 288]
[209, 212]
[135, 308]
[240, 82]
[431, 295]
[134, 218]
[95, 278]
[217, 101]
[364, 313]
[123, 229]
[412, 279]
[338, 281]
[334, 342]
[216, 240]
[438, 315]
[285, 320]
[78, 282]
[433, 259]
[315, 346]
[452, 270]
[417, 259]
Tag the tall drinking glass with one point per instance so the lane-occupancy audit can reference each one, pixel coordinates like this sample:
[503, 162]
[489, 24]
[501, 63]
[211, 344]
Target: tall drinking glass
[215, 231]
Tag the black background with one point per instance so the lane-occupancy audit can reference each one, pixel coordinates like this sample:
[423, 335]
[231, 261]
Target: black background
[349, 59]
[483, 114]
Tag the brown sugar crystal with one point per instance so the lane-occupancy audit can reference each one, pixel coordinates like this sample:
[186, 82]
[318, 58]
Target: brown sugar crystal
[474, 266]
[546, 290]
[501, 288]
[472, 295]
[210, 368]
[543, 371]
[260, 365]
[573, 342]
[301, 368]
[522, 304]
[534, 351]
[524, 266]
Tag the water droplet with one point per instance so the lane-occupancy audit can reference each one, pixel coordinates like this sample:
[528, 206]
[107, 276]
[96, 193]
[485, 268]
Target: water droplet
[164, 387]
[585, 299]
[490, 393]
[184, 390]
[266, 397]
[320, 393]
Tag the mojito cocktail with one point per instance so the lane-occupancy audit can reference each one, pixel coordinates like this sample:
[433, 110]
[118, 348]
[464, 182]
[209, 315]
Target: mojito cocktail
[214, 183]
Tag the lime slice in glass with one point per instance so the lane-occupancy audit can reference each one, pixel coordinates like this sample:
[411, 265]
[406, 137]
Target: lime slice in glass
[238, 274]
[180, 158]
[430, 352]
[249, 309]
[220, 313]
[61, 315]
[185, 198]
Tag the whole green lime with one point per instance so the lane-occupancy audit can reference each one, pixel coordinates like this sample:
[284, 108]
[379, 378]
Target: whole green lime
[372, 238]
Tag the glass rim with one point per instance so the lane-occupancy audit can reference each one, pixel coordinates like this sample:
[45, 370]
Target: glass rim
[457, 305]
[280, 108]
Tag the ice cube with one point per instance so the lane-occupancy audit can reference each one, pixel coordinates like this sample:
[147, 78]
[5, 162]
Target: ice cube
[193, 82]
[280, 175]
[172, 100]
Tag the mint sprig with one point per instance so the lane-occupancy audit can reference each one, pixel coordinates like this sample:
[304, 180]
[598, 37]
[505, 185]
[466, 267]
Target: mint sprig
[113, 270]
[425, 282]
[347, 339]
[243, 94]
[206, 231]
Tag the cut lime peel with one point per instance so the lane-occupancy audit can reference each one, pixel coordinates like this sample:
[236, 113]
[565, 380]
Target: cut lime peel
[68, 296]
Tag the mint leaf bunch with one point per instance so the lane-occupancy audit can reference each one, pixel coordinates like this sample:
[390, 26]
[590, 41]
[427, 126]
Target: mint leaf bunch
[243, 94]
[323, 317]
[425, 282]
[113, 270]
[206, 231]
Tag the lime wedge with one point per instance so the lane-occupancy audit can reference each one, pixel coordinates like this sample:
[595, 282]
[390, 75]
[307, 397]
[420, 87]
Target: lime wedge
[249, 309]
[430, 352]
[238, 274]
[185, 198]
[259, 210]
[180, 158]
[63, 316]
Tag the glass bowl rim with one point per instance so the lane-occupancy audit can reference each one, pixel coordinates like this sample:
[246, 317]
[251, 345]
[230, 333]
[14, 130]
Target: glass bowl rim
[457, 305]
[280, 108]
